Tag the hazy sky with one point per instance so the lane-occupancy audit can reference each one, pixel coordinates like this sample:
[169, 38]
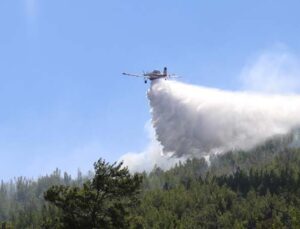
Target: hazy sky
[63, 100]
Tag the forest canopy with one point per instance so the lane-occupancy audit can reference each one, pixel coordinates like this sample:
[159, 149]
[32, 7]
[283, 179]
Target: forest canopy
[255, 189]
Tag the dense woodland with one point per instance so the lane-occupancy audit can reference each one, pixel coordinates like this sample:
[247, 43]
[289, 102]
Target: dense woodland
[259, 188]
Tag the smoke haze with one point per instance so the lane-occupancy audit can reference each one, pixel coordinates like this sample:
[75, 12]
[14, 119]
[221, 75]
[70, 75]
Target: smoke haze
[152, 156]
[275, 71]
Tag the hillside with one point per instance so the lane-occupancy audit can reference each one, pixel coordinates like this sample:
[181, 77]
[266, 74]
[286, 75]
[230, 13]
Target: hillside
[241, 189]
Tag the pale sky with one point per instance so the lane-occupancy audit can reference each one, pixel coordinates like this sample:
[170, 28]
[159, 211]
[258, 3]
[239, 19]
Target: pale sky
[64, 101]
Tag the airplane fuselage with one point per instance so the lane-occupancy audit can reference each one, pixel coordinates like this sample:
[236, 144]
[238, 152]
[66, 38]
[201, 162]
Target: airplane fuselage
[154, 75]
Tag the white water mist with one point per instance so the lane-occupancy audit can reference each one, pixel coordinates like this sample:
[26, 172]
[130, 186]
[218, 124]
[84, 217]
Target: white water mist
[198, 121]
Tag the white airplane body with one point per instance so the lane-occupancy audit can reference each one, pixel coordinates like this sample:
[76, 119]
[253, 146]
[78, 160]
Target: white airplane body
[154, 75]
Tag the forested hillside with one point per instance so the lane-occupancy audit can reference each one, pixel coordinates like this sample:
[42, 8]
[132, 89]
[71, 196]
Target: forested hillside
[22, 201]
[255, 189]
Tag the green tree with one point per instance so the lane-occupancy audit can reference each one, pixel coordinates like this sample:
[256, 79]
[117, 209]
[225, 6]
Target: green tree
[103, 201]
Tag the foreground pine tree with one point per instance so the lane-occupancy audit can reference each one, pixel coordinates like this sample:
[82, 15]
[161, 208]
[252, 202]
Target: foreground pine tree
[102, 202]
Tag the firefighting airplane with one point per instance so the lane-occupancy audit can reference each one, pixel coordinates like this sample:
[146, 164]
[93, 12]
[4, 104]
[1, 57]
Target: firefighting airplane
[154, 75]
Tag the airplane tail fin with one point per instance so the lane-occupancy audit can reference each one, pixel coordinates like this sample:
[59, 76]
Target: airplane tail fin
[165, 71]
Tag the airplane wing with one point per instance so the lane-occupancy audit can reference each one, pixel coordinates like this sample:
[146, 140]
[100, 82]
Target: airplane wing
[174, 76]
[128, 74]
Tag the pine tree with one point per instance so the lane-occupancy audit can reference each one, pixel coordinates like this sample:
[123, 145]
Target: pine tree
[102, 202]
